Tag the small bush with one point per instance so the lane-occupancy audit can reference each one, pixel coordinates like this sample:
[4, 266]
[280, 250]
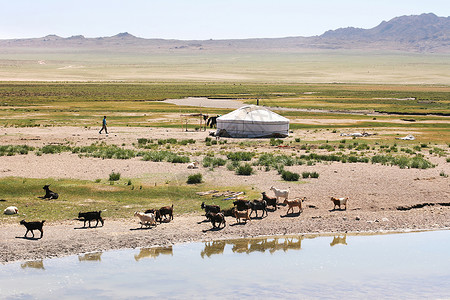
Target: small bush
[275, 142]
[213, 162]
[114, 176]
[314, 175]
[245, 169]
[305, 174]
[195, 178]
[290, 176]
[240, 156]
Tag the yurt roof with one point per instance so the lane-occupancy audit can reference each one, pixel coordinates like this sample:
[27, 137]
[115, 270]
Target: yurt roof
[253, 113]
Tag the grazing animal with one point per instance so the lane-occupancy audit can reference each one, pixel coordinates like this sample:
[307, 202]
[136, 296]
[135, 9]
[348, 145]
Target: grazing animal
[242, 204]
[216, 218]
[280, 193]
[241, 215]
[339, 202]
[33, 226]
[49, 194]
[297, 202]
[193, 165]
[146, 219]
[270, 201]
[210, 208]
[11, 210]
[256, 205]
[228, 212]
[90, 216]
[166, 211]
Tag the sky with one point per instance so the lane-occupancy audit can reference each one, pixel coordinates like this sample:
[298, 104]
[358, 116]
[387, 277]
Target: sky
[201, 19]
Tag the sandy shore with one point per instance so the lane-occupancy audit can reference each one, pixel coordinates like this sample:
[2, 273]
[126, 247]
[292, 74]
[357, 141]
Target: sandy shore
[376, 196]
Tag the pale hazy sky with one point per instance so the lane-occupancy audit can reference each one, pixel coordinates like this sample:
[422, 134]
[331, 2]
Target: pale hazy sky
[201, 19]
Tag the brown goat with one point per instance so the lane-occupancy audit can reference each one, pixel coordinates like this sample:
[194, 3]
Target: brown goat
[297, 202]
[238, 214]
[339, 202]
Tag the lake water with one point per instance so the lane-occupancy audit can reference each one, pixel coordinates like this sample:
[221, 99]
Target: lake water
[390, 266]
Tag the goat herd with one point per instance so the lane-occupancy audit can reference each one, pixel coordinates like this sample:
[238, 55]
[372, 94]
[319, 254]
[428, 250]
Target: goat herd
[242, 210]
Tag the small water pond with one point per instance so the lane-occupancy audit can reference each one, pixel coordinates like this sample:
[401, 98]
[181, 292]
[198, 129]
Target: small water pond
[407, 266]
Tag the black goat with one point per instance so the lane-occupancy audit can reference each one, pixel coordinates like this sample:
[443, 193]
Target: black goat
[90, 216]
[216, 218]
[256, 205]
[33, 226]
[270, 201]
[164, 211]
[49, 194]
[228, 212]
[242, 204]
[210, 208]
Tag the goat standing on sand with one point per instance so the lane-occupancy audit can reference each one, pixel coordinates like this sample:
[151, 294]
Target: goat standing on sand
[297, 202]
[270, 201]
[90, 216]
[49, 194]
[146, 219]
[280, 193]
[256, 205]
[241, 215]
[216, 218]
[166, 211]
[339, 202]
[33, 226]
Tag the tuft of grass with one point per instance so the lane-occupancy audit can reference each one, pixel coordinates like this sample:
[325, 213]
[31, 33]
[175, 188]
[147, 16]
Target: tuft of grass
[240, 156]
[114, 176]
[194, 179]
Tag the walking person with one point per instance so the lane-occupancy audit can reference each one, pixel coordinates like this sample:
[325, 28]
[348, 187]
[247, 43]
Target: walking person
[104, 126]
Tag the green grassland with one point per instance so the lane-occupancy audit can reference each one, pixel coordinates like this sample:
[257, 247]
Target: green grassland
[119, 200]
[137, 104]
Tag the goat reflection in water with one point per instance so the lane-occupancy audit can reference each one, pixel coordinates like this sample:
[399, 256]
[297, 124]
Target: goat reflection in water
[270, 244]
[153, 252]
[252, 245]
[339, 240]
[93, 256]
[34, 264]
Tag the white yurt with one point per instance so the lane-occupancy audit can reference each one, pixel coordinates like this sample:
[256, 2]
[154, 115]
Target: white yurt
[252, 121]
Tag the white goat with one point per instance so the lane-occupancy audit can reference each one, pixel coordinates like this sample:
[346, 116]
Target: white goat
[146, 219]
[280, 193]
[193, 165]
[11, 210]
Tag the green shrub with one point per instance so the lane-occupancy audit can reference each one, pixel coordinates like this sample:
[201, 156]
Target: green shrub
[314, 175]
[114, 176]
[275, 142]
[290, 176]
[194, 178]
[245, 169]
[305, 174]
[213, 162]
[10, 150]
[240, 156]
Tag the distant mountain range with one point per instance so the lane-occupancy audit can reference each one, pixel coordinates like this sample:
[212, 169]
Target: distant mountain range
[425, 33]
